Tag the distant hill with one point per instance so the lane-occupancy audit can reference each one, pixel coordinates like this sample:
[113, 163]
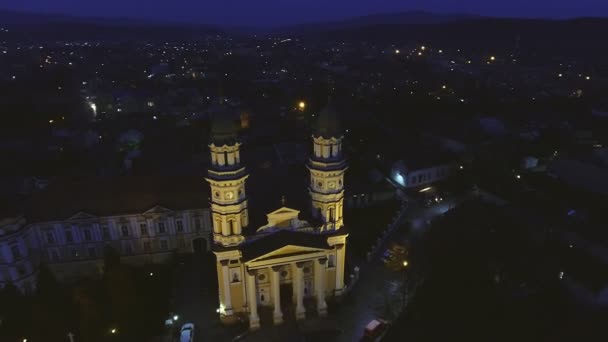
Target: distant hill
[577, 36]
[400, 18]
[38, 26]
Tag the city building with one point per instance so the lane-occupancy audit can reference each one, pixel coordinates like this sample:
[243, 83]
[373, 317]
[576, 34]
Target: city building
[287, 259]
[69, 224]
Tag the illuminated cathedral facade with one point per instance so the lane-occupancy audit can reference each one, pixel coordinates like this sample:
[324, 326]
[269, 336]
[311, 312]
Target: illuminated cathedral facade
[287, 261]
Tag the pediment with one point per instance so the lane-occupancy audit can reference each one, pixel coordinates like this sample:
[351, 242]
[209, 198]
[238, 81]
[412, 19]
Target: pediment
[284, 212]
[81, 215]
[282, 218]
[287, 251]
[157, 209]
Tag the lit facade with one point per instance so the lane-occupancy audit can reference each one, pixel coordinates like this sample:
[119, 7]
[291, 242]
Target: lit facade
[288, 260]
[138, 226]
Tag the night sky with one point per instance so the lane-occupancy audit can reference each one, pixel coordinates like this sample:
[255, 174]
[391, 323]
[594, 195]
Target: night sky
[279, 12]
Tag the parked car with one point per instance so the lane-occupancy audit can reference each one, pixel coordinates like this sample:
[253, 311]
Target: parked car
[375, 330]
[186, 333]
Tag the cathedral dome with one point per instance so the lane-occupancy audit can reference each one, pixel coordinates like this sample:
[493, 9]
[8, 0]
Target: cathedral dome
[328, 124]
[224, 129]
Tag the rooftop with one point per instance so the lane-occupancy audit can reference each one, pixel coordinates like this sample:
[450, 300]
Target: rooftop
[115, 196]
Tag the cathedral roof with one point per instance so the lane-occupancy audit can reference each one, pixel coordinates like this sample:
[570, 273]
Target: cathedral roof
[328, 124]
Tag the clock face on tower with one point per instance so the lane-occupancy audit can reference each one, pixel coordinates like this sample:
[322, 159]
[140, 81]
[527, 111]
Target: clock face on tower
[229, 195]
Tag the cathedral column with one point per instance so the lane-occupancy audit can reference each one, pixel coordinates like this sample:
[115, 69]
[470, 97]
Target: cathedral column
[276, 295]
[339, 268]
[319, 267]
[225, 228]
[226, 283]
[299, 289]
[254, 319]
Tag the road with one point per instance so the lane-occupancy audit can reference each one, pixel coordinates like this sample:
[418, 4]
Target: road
[378, 292]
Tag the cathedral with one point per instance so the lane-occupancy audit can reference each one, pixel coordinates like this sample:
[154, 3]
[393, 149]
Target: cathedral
[288, 260]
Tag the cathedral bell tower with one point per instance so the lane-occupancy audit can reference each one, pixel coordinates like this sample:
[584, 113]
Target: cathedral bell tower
[226, 178]
[327, 167]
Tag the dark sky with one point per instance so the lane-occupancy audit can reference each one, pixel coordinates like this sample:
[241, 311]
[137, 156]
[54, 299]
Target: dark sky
[273, 12]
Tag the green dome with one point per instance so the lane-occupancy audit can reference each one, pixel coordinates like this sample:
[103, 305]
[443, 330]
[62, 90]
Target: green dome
[328, 124]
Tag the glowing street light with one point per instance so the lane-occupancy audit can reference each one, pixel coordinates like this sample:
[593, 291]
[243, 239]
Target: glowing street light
[302, 105]
[175, 317]
[423, 48]
[93, 108]
[405, 263]
[492, 58]
[113, 331]
[397, 51]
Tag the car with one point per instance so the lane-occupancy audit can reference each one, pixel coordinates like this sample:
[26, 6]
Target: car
[186, 333]
[375, 330]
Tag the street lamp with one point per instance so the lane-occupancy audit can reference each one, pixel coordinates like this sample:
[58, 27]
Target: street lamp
[113, 331]
[302, 105]
[175, 317]
[405, 264]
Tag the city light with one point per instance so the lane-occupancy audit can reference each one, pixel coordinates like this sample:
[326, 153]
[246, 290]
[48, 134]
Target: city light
[302, 105]
[423, 48]
[588, 78]
[405, 263]
[175, 317]
[426, 189]
[113, 331]
[397, 51]
[492, 58]
[93, 108]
